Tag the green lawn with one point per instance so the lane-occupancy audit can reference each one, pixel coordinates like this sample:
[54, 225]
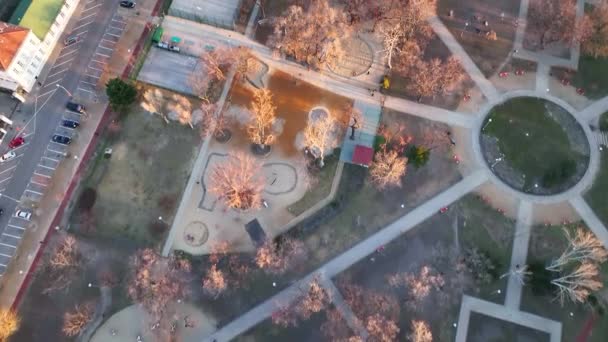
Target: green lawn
[604, 122]
[37, 15]
[321, 186]
[596, 196]
[533, 143]
[592, 75]
[484, 328]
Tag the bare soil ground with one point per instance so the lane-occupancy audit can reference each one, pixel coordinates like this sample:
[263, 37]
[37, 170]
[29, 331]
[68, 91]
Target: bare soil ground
[468, 223]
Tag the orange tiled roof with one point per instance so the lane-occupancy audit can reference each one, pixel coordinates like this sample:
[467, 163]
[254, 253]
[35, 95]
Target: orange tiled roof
[11, 38]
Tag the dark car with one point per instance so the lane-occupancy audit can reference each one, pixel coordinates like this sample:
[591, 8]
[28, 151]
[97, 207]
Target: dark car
[60, 139]
[127, 4]
[16, 142]
[70, 123]
[75, 107]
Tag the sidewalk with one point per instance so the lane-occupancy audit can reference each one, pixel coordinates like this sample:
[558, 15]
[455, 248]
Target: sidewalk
[17, 277]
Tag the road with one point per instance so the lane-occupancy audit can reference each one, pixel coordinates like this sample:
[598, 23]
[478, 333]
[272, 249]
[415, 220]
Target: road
[71, 73]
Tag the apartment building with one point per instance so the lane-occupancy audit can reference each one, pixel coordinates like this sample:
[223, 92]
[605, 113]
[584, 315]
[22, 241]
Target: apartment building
[27, 40]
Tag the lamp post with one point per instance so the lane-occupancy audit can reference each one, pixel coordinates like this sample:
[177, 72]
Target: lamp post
[62, 87]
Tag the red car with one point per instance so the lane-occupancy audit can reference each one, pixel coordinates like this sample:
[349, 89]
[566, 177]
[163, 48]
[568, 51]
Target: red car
[16, 142]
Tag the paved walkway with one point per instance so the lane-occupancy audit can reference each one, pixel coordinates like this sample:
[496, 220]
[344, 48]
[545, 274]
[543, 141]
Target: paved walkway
[519, 254]
[347, 314]
[542, 77]
[592, 221]
[594, 110]
[487, 88]
[350, 257]
[471, 304]
[101, 311]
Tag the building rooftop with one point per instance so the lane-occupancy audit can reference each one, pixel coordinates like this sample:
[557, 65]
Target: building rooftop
[37, 15]
[11, 38]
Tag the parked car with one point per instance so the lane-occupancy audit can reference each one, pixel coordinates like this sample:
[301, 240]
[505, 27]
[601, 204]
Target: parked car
[127, 4]
[60, 139]
[16, 142]
[167, 46]
[70, 40]
[7, 156]
[70, 123]
[75, 107]
[23, 214]
[173, 48]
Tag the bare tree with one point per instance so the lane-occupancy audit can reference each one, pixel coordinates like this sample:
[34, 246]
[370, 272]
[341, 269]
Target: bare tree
[76, 320]
[335, 328]
[578, 284]
[214, 282]
[555, 21]
[321, 136]
[263, 117]
[418, 286]
[226, 270]
[157, 281]
[387, 169]
[313, 300]
[218, 126]
[9, 323]
[420, 332]
[435, 76]
[278, 257]
[153, 102]
[582, 247]
[381, 329]
[238, 182]
[180, 109]
[596, 42]
[64, 264]
[312, 36]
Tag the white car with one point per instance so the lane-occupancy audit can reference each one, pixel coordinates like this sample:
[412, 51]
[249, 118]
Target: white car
[22, 214]
[7, 156]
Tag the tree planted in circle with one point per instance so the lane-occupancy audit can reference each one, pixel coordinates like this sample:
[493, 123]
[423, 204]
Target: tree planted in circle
[321, 136]
[238, 182]
[263, 112]
[121, 94]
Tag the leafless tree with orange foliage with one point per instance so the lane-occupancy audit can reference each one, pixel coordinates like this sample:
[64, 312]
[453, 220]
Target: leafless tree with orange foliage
[226, 270]
[418, 286]
[215, 64]
[583, 246]
[420, 332]
[216, 125]
[76, 320]
[277, 257]
[64, 264]
[263, 113]
[381, 329]
[214, 282]
[311, 36]
[238, 182]
[596, 42]
[435, 76]
[578, 284]
[313, 300]
[321, 135]
[9, 323]
[157, 281]
[387, 169]
[555, 21]
[335, 329]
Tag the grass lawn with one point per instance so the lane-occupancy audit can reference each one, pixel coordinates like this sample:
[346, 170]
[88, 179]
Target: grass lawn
[38, 17]
[142, 181]
[547, 243]
[596, 196]
[321, 186]
[604, 122]
[592, 76]
[533, 143]
[306, 331]
[484, 328]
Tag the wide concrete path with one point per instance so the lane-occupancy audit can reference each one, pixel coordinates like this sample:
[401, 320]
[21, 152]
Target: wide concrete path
[519, 254]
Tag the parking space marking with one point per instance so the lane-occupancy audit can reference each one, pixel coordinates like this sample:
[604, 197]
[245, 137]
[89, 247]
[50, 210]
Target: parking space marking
[55, 151]
[101, 54]
[96, 68]
[4, 244]
[81, 33]
[34, 192]
[10, 168]
[96, 61]
[83, 25]
[111, 34]
[119, 21]
[103, 47]
[47, 167]
[41, 184]
[90, 8]
[58, 72]
[5, 179]
[6, 255]
[116, 28]
[50, 91]
[89, 83]
[13, 236]
[110, 41]
[20, 147]
[88, 16]
[68, 53]
[62, 63]
[88, 91]
[41, 175]
[51, 159]
[12, 225]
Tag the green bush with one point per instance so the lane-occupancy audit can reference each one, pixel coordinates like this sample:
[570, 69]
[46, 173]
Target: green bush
[417, 156]
[120, 93]
[379, 140]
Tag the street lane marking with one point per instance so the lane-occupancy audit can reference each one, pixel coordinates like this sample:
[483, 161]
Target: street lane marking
[101, 54]
[35, 192]
[58, 72]
[56, 65]
[90, 8]
[41, 175]
[83, 25]
[88, 91]
[13, 236]
[4, 244]
[55, 160]
[47, 167]
[10, 168]
[41, 184]
[88, 16]
[12, 225]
